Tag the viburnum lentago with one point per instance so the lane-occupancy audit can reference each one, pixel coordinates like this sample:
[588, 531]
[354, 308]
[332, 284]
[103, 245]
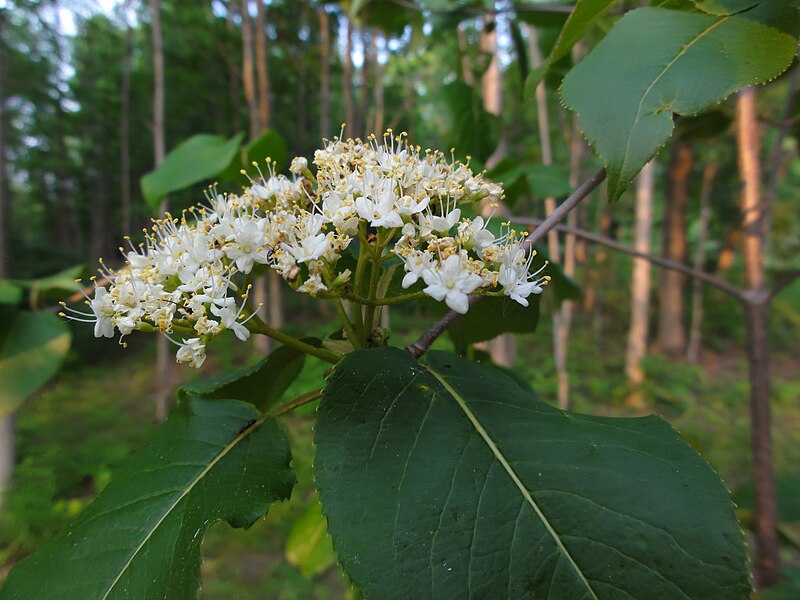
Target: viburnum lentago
[190, 278]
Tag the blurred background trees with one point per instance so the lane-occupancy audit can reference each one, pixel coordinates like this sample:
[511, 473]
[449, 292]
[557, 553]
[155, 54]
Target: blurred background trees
[78, 129]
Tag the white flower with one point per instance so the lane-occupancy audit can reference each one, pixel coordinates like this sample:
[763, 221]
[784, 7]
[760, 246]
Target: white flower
[416, 263]
[248, 245]
[299, 165]
[228, 317]
[192, 351]
[103, 309]
[451, 282]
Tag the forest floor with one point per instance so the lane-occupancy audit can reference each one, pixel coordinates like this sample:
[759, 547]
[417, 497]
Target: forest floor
[71, 436]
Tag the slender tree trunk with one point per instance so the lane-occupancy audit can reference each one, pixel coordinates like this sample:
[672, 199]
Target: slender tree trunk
[234, 74]
[347, 78]
[124, 126]
[463, 48]
[671, 330]
[379, 93]
[363, 94]
[766, 559]
[560, 324]
[325, 75]
[262, 68]
[7, 434]
[695, 329]
[503, 348]
[640, 281]
[163, 358]
[248, 77]
[255, 46]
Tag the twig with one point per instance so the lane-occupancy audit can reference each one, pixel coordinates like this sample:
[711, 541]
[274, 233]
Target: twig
[421, 345]
[602, 240]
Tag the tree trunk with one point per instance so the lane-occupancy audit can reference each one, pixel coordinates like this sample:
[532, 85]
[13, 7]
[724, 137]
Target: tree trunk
[248, 77]
[163, 358]
[234, 75]
[262, 68]
[695, 329]
[640, 280]
[124, 126]
[368, 52]
[7, 437]
[503, 348]
[325, 75]
[379, 93]
[347, 78]
[671, 330]
[766, 559]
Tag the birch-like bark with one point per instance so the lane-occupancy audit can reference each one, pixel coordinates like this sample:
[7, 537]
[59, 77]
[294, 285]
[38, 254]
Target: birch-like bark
[325, 74]
[695, 329]
[248, 76]
[766, 546]
[163, 350]
[640, 280]
[347, 77]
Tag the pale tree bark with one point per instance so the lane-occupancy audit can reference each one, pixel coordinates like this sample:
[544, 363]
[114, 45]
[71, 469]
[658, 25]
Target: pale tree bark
[503, 348]
[163, 350]
[671, 330]
[560, 319]
[695, 328]
[325, 75]
[380, 105]
[766, 559]
[266, 291]
[248, 76]
[7, 434]
[368, 52]
[124, 125]
[640, 280]
[347, 77]
[234, 75]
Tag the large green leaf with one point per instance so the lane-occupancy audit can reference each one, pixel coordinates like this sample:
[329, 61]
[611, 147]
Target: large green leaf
[269, 144]
[685, 61]
[261, 384]
[491, 317]
[32, 347]
[449, 480]
[63, 281]
[141, 538]
[201, 157]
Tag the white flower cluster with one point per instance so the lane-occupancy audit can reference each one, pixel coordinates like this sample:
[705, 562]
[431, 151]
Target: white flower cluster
[190, 276]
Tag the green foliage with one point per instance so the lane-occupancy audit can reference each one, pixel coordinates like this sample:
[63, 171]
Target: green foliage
[211, 460]
[32, 346]
[686, 61]
[788, 495]
[262, 384]
[491, 317]
[201, 157]
[525, 178]
[269, 144]
[308, 546]
[9, 292]
[448, 480]
[471, 130]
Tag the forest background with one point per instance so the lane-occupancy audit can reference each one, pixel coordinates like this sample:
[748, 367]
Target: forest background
[94, 96]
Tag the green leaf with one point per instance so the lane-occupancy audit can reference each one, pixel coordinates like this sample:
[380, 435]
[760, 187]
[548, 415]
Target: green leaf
[585, 14]
[684, 62]
[32, 347]
[269, 144]
[308, 546]
[261, 384]
[201, 157]
[63, 281]
[449, 480]
[10, 293]
[472, 130]
[490, 317]
[141, 538]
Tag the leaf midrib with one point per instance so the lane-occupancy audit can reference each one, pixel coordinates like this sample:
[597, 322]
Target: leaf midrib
[684, 49]
[239, 437]
[514, 477]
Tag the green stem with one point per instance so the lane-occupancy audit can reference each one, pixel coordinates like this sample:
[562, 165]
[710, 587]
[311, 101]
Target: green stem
[359, 276]
[294, 403]
[385, 301]
[374, 279]
[256, 325]
[346, 325]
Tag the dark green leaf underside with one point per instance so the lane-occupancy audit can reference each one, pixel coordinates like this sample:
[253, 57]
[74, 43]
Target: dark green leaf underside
[451, 481]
